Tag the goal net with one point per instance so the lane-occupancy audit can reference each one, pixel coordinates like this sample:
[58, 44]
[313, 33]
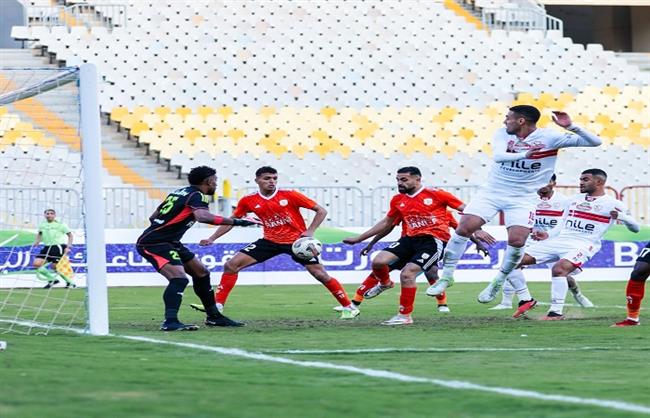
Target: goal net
[49, 161]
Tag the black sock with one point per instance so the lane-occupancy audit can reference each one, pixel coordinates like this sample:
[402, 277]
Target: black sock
[173, 297]
[203, 290]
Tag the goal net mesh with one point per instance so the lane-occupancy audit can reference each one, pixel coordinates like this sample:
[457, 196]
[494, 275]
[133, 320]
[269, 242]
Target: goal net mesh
[41, 168]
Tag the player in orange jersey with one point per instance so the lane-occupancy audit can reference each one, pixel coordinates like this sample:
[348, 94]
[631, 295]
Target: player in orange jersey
[279, 211]
[431, 274]
[423, 212]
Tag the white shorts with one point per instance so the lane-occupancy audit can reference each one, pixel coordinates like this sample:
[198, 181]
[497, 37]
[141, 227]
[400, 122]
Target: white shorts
[517, 210]
[554, 249]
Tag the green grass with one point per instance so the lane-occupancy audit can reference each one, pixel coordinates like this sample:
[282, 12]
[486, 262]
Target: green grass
[65, 375]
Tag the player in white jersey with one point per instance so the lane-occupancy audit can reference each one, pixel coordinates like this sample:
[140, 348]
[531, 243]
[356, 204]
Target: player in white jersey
[549, 210]
[524, 161]
[577, 237]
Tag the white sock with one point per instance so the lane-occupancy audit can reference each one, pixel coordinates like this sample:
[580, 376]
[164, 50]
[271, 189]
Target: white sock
[511, 259]
[507, 293]
[518, 283]
[559, 287]
[453, 251]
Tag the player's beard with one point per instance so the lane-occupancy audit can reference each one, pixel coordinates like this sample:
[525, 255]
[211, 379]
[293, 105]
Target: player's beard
[404, 190]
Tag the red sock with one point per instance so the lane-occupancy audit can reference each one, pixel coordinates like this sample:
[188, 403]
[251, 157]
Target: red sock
[442, 298]
[407, 299]
[381, 273]
[228, 281]
[634, 294]
[337, 291]
[367, 284]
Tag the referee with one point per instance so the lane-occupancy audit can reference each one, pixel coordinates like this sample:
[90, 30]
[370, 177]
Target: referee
[52, 234]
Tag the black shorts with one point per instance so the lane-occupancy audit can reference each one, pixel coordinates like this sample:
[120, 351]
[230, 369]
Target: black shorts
[162, 253]
[263, 249]
[423, 250]
[644, 255]
[52, 253]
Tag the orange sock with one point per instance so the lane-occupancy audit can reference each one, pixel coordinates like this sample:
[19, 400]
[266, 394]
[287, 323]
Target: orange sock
[381, 273]
[634, 293]
[406, 300]
[442, 298]
[228, 281]
[337, 291]
[367, 284]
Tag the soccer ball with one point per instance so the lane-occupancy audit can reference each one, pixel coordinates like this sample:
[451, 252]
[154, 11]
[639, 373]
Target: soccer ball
[307, 248]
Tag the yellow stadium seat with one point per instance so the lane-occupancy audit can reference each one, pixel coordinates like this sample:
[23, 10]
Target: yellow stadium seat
[225, 111]
[267, 111]
[328, 112]
[151, 119]
[236, 134]
[140, 111]
[191, 135]
[139, 127]
[162, 111]
[183, 111]
[204, 111]
[118, 113]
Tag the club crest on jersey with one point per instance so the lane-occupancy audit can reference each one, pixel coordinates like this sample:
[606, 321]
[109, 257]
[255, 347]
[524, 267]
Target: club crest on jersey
[428, 201]
[284, 202]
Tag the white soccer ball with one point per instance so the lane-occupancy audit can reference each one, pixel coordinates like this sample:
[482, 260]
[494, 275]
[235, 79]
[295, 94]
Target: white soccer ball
[307, 248]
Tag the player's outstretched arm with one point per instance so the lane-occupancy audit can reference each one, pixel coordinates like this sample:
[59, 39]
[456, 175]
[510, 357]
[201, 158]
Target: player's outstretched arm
[582, 137]
[627, 220]
[321, 214]
[376, 239]
[380, 226]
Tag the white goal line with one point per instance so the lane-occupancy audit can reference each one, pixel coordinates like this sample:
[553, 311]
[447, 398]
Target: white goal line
[451, 350]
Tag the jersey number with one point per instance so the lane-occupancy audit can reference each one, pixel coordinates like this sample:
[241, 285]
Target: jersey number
[168, 204]
[174, 255]
[644, 252]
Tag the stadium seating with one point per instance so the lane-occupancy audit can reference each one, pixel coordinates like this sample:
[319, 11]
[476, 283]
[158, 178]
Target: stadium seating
[237, 85]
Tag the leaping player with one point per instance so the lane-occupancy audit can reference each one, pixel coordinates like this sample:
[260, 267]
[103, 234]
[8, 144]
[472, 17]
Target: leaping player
[524, 161]
[577, 237]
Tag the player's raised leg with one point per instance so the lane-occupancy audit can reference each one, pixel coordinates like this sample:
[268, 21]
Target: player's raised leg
[454, 250]
[381, 269]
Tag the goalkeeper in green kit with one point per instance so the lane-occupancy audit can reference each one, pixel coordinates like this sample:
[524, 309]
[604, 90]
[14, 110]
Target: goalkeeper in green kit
[52, 234]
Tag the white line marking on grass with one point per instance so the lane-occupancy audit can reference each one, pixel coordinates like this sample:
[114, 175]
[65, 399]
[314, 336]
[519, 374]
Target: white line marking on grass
[2, 244]
[32, 324]
[574, 305]
[385, 374]
[452, 350]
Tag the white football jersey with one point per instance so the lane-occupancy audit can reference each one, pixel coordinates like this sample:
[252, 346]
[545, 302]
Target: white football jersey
[516, 175]
[549, 212]
[588, 218]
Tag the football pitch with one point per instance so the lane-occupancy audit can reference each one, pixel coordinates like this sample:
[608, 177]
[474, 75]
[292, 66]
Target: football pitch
[296, 359]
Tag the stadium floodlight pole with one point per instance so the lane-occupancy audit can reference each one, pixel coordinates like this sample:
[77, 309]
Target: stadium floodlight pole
[93, 201]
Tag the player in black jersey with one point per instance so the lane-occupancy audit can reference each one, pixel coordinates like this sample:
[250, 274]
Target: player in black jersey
[160, 245]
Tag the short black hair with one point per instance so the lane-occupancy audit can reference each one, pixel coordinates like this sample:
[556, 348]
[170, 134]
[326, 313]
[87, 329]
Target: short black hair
[553, 177]
[49, 210]
[414, 171]
[528, 112]
[596, 172]
[200, 173]
[265, 170]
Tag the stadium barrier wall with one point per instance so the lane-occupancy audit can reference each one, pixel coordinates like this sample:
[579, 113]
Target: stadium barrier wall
[125, 267]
